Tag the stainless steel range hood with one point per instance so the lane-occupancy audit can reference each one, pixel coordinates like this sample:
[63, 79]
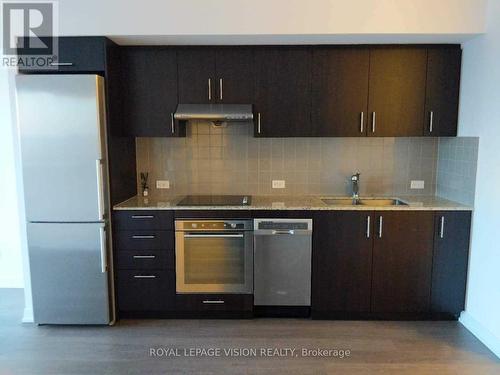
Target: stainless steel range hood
[214, 112]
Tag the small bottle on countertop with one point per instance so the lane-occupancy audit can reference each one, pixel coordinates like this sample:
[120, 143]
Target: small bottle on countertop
[144, 184]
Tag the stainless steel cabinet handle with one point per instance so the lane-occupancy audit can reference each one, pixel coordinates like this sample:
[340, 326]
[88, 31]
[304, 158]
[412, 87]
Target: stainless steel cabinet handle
[380, 224]
[102, 235]
[362, 123]
[100, 186]
[61, 64]
[210, 302]
[196, 235]
[373, 122]
[143, 237]
[144, 277]
[209, 89]
[431, 120]
[368, 219]
[220, 88]
[172, 123]
[142, 216]
[291, 231]
[441, 228]
[144, 256]
[258, 122]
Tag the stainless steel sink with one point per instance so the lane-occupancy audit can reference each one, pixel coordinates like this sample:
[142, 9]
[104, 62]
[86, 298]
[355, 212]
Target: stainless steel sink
[375, 202]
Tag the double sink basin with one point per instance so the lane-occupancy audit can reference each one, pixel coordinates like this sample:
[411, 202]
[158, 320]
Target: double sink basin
[374, 202]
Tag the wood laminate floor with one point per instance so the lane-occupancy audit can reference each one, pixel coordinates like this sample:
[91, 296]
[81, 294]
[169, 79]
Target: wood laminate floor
[375, 347]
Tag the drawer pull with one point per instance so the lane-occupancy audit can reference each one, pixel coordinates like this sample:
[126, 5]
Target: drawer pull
[213, 302]
[142, 217]
[144, 256]
[61, 64]
[143, 237]
[144, 277]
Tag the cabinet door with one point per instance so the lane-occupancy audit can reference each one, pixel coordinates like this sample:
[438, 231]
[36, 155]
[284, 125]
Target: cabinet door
[402, 262]
[397, 91]
[442, 91]
[282, 90]
[342, 262]
[449, 266]
[235, 78]
[149, 77]
[196, 67]
[339, 91]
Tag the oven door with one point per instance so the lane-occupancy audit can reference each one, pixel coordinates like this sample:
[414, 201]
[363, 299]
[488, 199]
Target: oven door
[214, 262]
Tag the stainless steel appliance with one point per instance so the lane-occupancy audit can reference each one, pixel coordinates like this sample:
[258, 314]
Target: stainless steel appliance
[282, 262]
[64, 161]
[214, 256]
[215, 200]
[214, 112]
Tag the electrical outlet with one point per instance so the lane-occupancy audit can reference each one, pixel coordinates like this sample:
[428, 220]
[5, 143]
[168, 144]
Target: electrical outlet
[162, 184]
[278, 184]
[417, 184]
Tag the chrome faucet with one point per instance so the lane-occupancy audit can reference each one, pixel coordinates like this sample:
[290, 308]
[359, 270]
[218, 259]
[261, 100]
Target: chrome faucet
[355, 186]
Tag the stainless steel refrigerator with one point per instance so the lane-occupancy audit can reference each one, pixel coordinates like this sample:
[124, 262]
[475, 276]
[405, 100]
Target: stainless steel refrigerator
[62, 133]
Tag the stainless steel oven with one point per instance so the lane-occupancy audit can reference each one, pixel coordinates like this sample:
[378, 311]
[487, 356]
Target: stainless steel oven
[214, 256]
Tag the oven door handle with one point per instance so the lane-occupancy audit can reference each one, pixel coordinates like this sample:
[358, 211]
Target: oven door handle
[207, 235]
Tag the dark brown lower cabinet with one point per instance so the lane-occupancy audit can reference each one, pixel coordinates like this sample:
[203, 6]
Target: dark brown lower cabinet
[214, 305]
[402, 262]
[342, 263]
[450, 260]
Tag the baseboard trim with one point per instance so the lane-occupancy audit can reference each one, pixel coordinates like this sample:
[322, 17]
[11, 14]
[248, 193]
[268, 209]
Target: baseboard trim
[28, 315]
[483, 334]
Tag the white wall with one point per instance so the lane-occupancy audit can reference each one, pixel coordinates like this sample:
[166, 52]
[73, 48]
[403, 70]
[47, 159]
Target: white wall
[480, 116]
[271, 17]
[10, 239]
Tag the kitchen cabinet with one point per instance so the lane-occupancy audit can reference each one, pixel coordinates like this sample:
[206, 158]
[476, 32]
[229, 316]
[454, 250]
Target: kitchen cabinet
[76, 55]
[397, 91]
[283, 92]
[144, 255]
[442, 91]
[339, 91]
[342, 262]
[402, 262]
[449, 265]
[215, 305]
[149, 79]
[216, 75]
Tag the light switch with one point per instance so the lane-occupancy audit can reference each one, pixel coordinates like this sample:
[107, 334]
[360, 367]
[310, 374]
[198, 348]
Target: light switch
[278, 184]
[417, 184]
[162, 184]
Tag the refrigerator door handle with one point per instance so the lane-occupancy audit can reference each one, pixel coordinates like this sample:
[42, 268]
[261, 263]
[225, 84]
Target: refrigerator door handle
[100, 193]
[102, 234]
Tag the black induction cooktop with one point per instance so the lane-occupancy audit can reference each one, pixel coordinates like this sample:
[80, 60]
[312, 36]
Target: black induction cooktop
[215, 200]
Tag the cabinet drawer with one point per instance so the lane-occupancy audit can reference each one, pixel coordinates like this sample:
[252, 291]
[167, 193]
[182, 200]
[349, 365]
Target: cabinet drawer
[144, 240]
[143, 219]
[145, 260]
[146, 290]
[214, 302]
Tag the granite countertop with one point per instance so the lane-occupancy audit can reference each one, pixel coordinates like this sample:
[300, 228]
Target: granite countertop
[414, 203]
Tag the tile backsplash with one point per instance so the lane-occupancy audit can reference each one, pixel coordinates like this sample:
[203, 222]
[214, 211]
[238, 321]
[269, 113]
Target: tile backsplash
[231, 161]
[456, 168]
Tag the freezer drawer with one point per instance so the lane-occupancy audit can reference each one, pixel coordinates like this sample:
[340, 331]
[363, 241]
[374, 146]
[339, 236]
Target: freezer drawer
[69, 276]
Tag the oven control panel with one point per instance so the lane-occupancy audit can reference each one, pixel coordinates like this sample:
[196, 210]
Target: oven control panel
[213, 225]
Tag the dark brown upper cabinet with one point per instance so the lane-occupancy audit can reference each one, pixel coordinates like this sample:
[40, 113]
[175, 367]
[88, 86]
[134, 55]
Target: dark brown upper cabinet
[339, 91]
[442, 91]
[196, 67]
[342, 263]
[235, 75]
[402, 262]
[397, 91]
[283, 92]
[149, 79]
[216, 75]
[450, 260]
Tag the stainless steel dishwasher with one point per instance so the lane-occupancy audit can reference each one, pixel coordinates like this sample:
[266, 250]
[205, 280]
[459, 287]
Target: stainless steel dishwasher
[282, 262]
